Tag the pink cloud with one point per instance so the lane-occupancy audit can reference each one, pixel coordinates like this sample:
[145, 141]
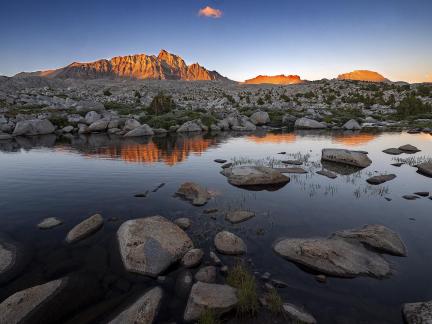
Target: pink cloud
[210, 12]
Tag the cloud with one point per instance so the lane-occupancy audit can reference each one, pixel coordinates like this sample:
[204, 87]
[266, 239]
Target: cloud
[210, 12]
[429, 77]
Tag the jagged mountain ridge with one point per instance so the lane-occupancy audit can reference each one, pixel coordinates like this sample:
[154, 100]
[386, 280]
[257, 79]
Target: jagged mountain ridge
[165, 66]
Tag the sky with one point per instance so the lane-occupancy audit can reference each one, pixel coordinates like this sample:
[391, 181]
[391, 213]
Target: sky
[240, 39]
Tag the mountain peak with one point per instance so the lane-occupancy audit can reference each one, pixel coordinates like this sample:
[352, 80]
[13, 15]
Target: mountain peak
[362, 75]
[275, 79]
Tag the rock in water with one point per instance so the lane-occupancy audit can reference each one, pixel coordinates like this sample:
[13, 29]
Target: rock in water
[150, 245]
[354, 158]
[50, 223]
[183, 222]
[418, 313]
[379, 179]
[335, 257]
[408, 148]
[306, 123]
[17, 307]
[327, 174]
[85, 228]
[393, 151]
[143, 130]
[192, 258]
[260, 118]
[229, 243]
[142, 311]
[425, 168]
[33, 127]
[291, 170]
[378, 237]
[7, 257]
[298, 315]
[254, 176]
[217, 298]
[206, 274]
[99, 125]
[351, 124]
[239, 216]
[194, 192]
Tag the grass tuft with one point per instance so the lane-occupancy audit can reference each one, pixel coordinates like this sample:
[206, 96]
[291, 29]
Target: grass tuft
[275, 302]
[208, 317]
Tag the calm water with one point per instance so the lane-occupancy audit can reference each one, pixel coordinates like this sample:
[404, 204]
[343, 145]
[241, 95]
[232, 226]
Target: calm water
[73, 178]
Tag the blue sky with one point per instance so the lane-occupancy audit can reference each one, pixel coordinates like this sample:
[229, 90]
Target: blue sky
[315, 38]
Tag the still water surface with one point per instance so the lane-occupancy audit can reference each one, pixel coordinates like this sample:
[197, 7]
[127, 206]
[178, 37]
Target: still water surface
[74, 178]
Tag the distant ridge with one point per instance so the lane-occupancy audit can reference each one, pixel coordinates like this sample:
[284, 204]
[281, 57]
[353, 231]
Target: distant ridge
[165, 66]
[275, 79]
[362, 75]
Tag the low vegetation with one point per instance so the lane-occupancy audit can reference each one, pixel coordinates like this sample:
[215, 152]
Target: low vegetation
[161, 104]
[208, 317]
[274, 302]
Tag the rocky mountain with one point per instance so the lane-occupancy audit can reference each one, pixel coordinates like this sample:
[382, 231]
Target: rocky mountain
[165, 66]
[275, 79]
[362, 75]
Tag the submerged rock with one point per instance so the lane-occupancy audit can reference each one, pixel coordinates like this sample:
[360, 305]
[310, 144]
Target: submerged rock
[393, 151]
[194, 192]
[379, 179]
[184, 223]
[298, 315]
[378, 237]
[418, 313]
[143, 310]
[150, 245]
[85, 228]
[229, 243]
[327, 174]
[206, 274]
[217, 298]
[239, 216]
[306, 123]
[192, 258]
[50, 223]
[408, 148]
[254, 176]
[425, 168]
[354, 158]
[7, 257]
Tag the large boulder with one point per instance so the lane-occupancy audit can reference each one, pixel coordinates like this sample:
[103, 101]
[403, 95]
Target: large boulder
[335, 257]
[425, 168]
[306, 123]
[143, 130]
[260, 118]
[254, 176]
[376, 237]
[190, 126]
[194, 193]
[351, 124]
[91, 117]
[379, 179]
[418, 313]
[205, 296]
[150, 245]
[85, 228]
[143, 310]
[131, 124]
[33, 127]
[229, 243]
[99, 125]
[354, 158]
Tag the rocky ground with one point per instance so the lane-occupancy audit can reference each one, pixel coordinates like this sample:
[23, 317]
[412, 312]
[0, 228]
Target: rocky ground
[142, 108]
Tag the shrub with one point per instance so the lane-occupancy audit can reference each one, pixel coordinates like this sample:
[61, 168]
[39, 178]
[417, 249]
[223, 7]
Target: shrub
[107, 93]
[260, 101]
[161, 104]
[411, 105]
[60, 121]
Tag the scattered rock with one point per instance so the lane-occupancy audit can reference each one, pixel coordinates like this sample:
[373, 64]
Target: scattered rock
[50, 223]
[393, 151]
[298, 315]
[279, 283]
[33, 127]
[321, 278]
[398, 164]
[352, 124]
[150, 245]
[229, 243]
[7, 257]
[159, 186]
[216, 260]
[192, 258]
[183, 283]
[422, 193]
[194, 192]
[189, 126]
[206, 274]
[210, 210]
[227, 165]
[354, 158]
[327, 174]
[293, 162]
[184, 223]
[260, 118]
[143, 130]
[266, 276]
[141, 194]
[91, 117]
[408, 148]
[220, 160]
[410, 197]
[85, 228]
[418, 313]
[217, 298]
[254, 176]
[379, 179]
[306, 123]
[131, 124]
[425, 168]
[98, 126]
[143, 310]
[239, 216]
[291, 170]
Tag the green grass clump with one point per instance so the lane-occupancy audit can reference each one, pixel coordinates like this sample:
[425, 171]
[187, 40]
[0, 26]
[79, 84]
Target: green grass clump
[208, 317]
[240, 278]
[121, 108]
[161, 104]
[275, 302]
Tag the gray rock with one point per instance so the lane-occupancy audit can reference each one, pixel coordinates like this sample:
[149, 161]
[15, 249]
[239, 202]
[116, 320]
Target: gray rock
[143, 310]
[16, 308]
[254, 176]
[418, 313]
[306, 123]
[291, 170]
[422, 193]
[192, 258]
[84, 106]
[33, 127]
[85, 228]
[99, 125]
[7, 257]
[184, 223]
[206, 274]
[327, 174]
[91, 117]
[260, 118]
[217, 298]
[298, 315]
[50, 223]
[114, 123]
[354, 158]
[131, 124]
[239, 216]
[67, 129]
[229, 243]
[143, 130]
[150, 245]
[288, 119]
[379, 179]
[352, 124]
[292, 162]
[408, 148]
[5, 136]
[189, 126]
[425, 168]
[183, 283]
[83, 129]
[216, 260]
[393, 151]
[377, 237]
[193, 192]
[335, 257]
[410, 197]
